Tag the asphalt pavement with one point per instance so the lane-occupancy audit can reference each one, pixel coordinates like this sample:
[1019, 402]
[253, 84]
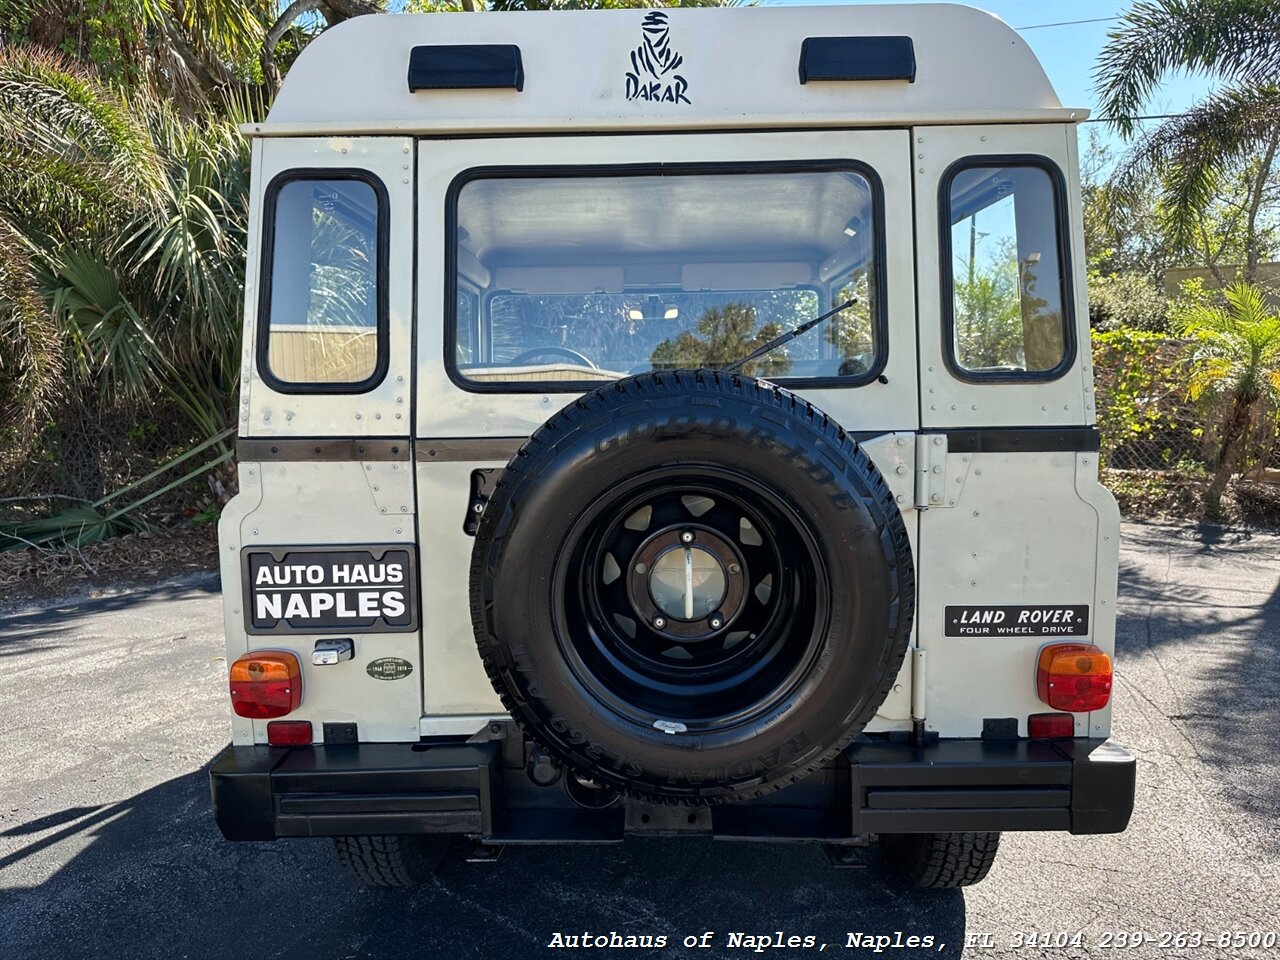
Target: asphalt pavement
[112, 707]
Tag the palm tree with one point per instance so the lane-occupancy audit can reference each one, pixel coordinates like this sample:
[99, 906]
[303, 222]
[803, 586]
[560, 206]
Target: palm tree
[121, 246]
[189, 51]
[1233, 353]
[1238, 126]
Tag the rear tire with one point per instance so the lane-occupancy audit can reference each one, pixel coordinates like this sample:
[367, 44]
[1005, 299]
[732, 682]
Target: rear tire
[941, 860]
[390, 861]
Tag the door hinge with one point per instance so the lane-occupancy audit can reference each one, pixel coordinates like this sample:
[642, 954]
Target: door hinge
[940, 476]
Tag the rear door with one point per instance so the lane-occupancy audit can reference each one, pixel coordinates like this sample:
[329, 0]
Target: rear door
[550, 266]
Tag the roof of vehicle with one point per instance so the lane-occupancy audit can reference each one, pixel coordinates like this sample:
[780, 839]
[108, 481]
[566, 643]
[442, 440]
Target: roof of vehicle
[735, 67]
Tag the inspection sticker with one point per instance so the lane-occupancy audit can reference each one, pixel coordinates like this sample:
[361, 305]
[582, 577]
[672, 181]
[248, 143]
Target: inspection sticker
[357, 590]
[1050, 620]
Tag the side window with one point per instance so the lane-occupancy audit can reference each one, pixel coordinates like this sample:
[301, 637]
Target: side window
[323, 318]
[1004, 272]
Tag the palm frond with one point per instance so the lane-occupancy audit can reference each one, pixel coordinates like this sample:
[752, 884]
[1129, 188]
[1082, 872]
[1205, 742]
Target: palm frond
[108, 340]
[1188, 154]
[66, 134]
[1236, 40]
[30, 355]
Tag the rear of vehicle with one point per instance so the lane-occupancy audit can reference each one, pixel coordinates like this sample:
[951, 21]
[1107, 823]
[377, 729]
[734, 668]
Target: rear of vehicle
[548, 532]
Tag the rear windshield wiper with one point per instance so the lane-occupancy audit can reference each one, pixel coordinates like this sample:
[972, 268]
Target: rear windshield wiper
[784, 338]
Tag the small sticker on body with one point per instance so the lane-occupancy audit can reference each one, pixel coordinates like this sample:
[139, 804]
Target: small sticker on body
[389, 668]
[1041, 620]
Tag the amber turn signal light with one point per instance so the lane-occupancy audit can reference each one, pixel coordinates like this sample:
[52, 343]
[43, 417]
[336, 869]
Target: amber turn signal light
[266, 684]
[1074, 676]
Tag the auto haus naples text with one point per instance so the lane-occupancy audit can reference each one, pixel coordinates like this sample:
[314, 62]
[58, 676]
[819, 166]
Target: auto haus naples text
[330, 589]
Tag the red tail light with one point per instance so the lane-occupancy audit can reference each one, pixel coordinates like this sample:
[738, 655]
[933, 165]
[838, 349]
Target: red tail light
[1040, 726]
[289, 733]
[1074, 677]
[266, 684]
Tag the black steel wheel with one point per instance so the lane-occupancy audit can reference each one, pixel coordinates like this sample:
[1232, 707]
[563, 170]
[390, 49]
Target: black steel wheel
[692, 587]
[692, 596]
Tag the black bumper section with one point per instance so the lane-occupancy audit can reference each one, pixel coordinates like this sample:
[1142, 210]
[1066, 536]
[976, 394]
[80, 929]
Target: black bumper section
[482, 790]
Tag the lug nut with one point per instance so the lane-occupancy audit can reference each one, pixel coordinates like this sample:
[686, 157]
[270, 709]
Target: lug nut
[735, 568]
[659, 622]
[686, 537]
[716, 622]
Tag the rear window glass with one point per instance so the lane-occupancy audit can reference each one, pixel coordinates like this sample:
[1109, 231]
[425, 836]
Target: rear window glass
[1006, 272]
[579, 278]
[322, 320]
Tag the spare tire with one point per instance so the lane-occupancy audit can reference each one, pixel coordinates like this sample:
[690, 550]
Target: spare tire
[692, 587]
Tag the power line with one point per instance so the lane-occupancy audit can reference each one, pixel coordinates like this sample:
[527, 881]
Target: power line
[1149, 116]
[1066, 23]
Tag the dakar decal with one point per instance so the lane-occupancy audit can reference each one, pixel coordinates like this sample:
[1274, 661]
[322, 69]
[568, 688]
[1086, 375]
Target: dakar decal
[1017, 621]
[347, 590]
[654, 64]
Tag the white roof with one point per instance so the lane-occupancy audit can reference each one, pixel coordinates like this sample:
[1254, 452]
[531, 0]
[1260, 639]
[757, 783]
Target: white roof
[740, 68]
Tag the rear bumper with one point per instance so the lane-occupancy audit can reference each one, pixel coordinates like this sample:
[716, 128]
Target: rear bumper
[482, 790]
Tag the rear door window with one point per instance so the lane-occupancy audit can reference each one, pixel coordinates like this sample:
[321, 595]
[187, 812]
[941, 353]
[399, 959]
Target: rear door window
[589, 275]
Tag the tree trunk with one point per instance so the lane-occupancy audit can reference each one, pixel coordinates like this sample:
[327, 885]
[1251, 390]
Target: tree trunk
[334, 11]
[1252, 242]
[1234, 431]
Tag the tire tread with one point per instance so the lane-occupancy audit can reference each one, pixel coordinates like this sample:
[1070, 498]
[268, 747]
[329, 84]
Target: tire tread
[943, 860]
[389, 861]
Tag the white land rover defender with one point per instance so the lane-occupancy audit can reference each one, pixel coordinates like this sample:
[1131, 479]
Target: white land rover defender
[669, 422]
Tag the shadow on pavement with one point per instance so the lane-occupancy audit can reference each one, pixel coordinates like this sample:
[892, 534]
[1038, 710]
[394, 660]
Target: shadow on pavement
[155, 878]
[1210, 618]
[35, 628]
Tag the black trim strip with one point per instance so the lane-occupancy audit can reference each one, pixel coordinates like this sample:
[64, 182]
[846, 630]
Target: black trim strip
[383, 227]
[946, 286]
[264, 449]
[452, 450]
[1024, 440]
[880, 285]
